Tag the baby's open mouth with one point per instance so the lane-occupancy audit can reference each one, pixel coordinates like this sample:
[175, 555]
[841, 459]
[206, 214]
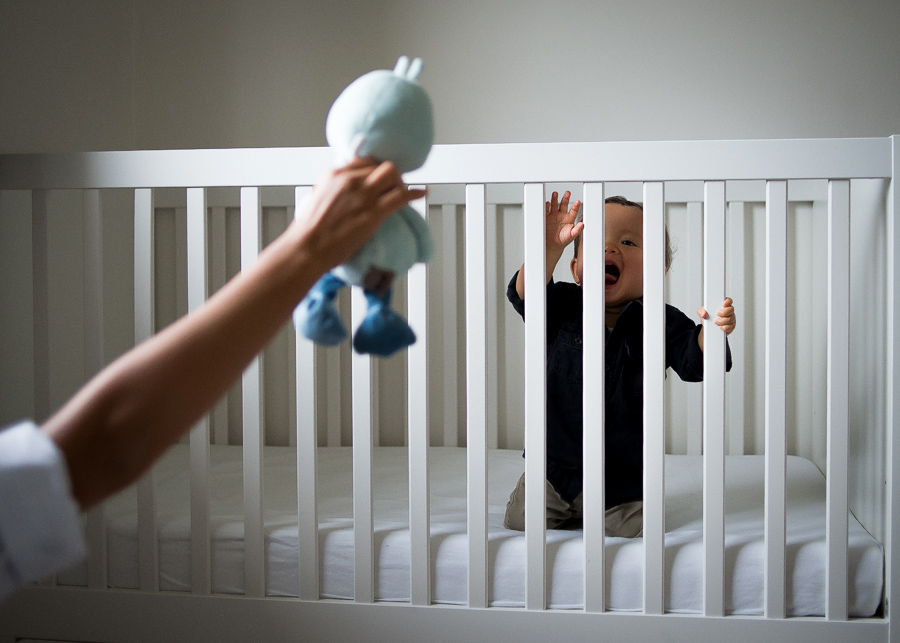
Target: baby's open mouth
[612, 274]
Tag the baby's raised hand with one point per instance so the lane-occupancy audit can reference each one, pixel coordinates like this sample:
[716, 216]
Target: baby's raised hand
[561, 226]
[725, 317]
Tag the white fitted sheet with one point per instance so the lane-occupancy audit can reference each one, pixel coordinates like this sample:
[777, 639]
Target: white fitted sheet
[744, 553]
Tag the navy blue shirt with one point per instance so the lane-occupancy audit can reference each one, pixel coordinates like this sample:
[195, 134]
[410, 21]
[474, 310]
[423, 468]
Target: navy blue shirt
[624, 425]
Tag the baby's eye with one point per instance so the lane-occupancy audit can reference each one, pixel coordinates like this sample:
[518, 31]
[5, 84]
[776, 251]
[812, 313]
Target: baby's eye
[628, 242]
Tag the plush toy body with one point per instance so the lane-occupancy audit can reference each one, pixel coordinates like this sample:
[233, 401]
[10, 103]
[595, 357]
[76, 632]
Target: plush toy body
[384, 115]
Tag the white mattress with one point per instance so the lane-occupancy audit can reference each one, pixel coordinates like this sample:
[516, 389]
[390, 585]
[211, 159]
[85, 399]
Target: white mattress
[743, 541]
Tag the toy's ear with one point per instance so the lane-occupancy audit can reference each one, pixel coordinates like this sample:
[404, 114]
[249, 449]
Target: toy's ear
[415, 68]
[408, 70]
[402, 66]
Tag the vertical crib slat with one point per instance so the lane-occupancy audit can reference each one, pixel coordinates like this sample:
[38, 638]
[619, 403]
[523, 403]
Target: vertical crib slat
[144, 313]
[892, 497]
[40, 265]
[654, 398]
[93, 362]
[417, 419]
[714, 403]
[251, 391]
[363, 441]
[735, 288]
[493, 377]
[197, 252]
[535, 396]
[838, 413]
[594, 397]
[451, 332]
[93, 282]
[333, 395]
[694, 259]
[776, 327]
[476, 388]
[307, 467]
[218, 277]
[307, 444]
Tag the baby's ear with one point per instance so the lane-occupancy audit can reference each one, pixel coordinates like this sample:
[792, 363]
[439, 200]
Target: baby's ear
[573, 265]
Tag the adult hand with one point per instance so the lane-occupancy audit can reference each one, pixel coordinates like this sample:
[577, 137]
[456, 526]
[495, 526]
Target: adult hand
[346, 207]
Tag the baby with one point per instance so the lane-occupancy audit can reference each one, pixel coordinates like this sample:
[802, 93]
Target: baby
[624, 366]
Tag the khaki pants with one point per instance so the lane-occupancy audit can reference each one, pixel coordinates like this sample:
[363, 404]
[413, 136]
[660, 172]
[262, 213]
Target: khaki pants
[625, 520]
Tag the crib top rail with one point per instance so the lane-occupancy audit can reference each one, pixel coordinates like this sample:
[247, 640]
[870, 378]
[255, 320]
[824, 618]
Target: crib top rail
[850, 158]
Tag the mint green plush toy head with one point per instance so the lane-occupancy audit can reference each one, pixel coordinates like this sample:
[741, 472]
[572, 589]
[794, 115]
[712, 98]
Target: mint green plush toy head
[384, 115]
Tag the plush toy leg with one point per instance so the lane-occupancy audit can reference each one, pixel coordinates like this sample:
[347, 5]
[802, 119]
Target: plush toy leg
[316, 316]
[382, 332]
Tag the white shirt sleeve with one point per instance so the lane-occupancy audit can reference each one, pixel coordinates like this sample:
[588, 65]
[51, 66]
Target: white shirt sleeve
[40, 525]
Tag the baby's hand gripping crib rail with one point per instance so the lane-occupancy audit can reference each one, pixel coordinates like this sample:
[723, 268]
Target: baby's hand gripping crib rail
[711, 179]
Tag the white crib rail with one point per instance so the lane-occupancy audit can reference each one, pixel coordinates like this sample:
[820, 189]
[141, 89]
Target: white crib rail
[93, 362]
[535, 397]
[714, 403]
[737, 287]
[144, 321]
[892, 448]
[307, 443]
[363, 443]
[476, 166]
[654, 396]
[838, 398]
[594, 445]
[197, 257]
[476, 393]
[418, 440]
[776, 329]
[253, 418]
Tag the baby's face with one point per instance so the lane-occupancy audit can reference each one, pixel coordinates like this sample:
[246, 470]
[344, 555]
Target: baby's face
[624, 256]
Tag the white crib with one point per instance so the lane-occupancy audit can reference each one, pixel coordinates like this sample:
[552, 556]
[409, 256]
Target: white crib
[238, 535]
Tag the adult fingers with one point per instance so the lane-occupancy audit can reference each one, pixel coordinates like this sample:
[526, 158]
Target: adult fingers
[384, 177]
[397, 197]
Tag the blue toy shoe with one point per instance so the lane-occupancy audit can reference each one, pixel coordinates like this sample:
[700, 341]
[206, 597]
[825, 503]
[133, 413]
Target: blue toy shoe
[316, 316]
[383, 332]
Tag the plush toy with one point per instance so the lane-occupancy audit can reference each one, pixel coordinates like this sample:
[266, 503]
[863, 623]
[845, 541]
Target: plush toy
[384, 115]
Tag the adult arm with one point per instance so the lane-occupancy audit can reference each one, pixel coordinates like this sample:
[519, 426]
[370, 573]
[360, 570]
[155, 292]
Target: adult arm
[115, 427]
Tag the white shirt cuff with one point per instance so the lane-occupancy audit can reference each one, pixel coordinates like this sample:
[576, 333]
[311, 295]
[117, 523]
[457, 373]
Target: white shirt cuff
[40, 525]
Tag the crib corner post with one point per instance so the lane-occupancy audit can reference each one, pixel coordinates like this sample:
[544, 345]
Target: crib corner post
[892, 533]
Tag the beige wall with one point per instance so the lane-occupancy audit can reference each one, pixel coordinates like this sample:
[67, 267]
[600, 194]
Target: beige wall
[108, 74]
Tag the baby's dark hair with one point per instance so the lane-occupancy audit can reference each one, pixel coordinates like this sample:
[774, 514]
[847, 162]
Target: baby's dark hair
[621, 200]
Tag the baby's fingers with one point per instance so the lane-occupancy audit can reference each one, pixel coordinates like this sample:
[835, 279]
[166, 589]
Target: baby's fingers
[573, 213]
[727, 310]
[725, 318]
[553, 203]
[726, 324]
